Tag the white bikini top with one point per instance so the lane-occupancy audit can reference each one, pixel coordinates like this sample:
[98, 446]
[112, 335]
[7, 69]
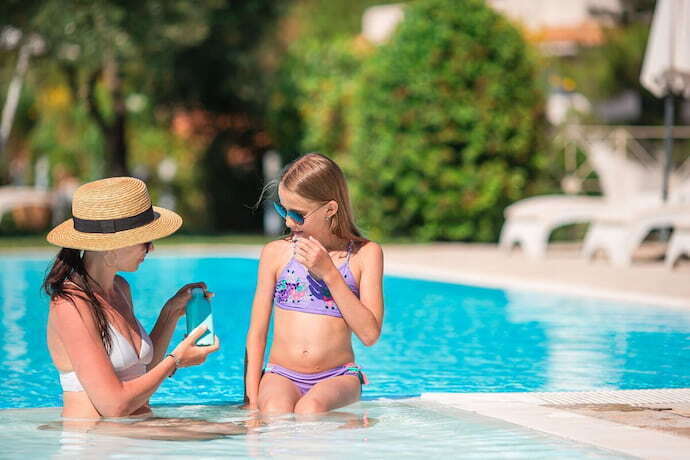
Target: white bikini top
[123, 356]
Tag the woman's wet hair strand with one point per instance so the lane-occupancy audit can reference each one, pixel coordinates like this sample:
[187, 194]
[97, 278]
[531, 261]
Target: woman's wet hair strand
[69, 266]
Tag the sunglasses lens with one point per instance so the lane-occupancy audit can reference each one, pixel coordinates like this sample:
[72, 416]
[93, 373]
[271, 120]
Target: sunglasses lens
[284, 213]
[297, 217]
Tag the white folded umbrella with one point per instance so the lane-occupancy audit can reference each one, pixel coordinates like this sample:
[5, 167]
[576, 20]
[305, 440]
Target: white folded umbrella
[666, 67]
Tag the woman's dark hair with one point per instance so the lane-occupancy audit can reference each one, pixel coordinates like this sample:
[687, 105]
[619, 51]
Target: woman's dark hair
[69, 266]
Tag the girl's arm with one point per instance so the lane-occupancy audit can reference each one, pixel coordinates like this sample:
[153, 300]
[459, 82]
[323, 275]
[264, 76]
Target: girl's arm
[260, 319]
[167, 320]
[75, 327]
[364, 315]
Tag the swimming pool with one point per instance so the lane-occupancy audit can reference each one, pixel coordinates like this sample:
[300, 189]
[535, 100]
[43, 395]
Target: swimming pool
[436, 337]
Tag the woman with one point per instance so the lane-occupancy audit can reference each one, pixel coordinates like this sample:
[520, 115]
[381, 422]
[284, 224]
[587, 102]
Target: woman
[109, 366]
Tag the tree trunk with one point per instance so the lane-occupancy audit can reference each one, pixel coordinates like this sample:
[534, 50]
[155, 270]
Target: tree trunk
[114, 132]
[117, 141]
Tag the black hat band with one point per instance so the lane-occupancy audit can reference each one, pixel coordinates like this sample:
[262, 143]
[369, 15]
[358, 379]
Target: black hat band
[114, 225]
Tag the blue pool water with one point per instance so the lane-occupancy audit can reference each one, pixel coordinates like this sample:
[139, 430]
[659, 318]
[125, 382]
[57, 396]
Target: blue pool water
[436, 337]
[396, 430]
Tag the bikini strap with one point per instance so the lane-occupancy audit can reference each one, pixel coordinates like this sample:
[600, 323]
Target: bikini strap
[349, 251]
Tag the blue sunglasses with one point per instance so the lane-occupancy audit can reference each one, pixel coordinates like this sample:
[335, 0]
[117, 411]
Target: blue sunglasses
[294, 215]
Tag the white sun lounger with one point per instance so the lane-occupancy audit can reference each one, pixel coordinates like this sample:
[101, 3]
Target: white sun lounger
[12, 197]
[619, 235]
[529, 222]
[680, 241]
[625, 184]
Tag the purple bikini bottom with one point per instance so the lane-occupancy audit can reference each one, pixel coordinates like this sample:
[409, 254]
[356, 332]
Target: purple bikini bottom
[304, 382]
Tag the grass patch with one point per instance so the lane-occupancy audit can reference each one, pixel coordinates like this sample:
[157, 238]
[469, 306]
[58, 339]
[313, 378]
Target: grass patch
[24, 241]
[38, 240]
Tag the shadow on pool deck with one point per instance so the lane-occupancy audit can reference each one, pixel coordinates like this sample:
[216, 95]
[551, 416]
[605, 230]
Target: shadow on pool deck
[673, 418]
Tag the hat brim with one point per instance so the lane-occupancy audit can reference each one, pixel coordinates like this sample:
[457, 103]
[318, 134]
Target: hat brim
[166, 223]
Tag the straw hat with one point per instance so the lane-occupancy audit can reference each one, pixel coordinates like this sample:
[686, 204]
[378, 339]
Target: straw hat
[113, 213]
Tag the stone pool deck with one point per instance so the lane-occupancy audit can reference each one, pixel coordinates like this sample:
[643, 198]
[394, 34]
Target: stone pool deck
[641, 423]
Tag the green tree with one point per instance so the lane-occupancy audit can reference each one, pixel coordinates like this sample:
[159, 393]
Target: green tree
[149, 80]
[103, 43]
[177, 52]
[447, 124]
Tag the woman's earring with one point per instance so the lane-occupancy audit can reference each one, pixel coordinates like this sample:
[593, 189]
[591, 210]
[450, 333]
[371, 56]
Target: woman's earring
[110, 262]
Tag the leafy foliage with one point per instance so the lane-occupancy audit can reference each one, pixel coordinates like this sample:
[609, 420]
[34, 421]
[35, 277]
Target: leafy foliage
[310, 108]
[446, 127]
[166, 74]
[315, 83]
[614, 67]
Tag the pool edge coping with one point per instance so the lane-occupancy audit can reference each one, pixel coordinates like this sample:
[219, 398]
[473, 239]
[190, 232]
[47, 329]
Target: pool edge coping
[539, 411]
[519, 284]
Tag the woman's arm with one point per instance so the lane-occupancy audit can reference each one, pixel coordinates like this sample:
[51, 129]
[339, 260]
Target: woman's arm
[110, 396]
[364, 315]
[260, 320]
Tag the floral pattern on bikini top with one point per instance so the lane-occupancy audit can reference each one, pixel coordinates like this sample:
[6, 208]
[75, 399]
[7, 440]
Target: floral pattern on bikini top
[298, 290]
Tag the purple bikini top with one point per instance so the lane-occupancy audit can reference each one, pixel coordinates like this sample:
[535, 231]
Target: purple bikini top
[298, 290]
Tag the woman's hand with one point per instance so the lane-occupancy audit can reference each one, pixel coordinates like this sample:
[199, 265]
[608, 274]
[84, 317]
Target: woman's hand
[189, 354]
[177, 304]
[311, 253]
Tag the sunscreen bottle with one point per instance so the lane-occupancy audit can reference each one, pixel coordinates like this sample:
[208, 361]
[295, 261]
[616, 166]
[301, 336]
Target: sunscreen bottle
[199, 312]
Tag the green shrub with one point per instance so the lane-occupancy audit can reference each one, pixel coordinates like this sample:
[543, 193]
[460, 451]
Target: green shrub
[310, 107]
[446, 125]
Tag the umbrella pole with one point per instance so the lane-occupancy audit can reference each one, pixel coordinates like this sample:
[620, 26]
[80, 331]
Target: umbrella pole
[668, 146]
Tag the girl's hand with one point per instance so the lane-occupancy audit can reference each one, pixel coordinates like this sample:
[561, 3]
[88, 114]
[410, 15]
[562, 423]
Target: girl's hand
[177, 304]
[311, 253]
[189, 354]
[249, 406]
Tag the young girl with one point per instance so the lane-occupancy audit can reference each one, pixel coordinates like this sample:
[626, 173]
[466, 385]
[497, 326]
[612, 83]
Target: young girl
[324, 281]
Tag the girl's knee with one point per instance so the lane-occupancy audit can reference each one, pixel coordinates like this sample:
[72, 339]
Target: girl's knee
[276, 406]
[310, 406]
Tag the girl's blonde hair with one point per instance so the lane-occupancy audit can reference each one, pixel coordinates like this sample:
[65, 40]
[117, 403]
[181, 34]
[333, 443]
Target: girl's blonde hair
[318, 178]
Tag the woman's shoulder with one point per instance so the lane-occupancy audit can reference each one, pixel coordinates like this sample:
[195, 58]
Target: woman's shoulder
[70, 293]
[72, 299]
[72, 313]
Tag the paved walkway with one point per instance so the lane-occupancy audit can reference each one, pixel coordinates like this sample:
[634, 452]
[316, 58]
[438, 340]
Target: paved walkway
[562, 271]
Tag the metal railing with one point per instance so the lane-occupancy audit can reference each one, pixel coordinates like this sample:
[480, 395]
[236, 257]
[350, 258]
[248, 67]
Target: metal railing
[635, 142]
